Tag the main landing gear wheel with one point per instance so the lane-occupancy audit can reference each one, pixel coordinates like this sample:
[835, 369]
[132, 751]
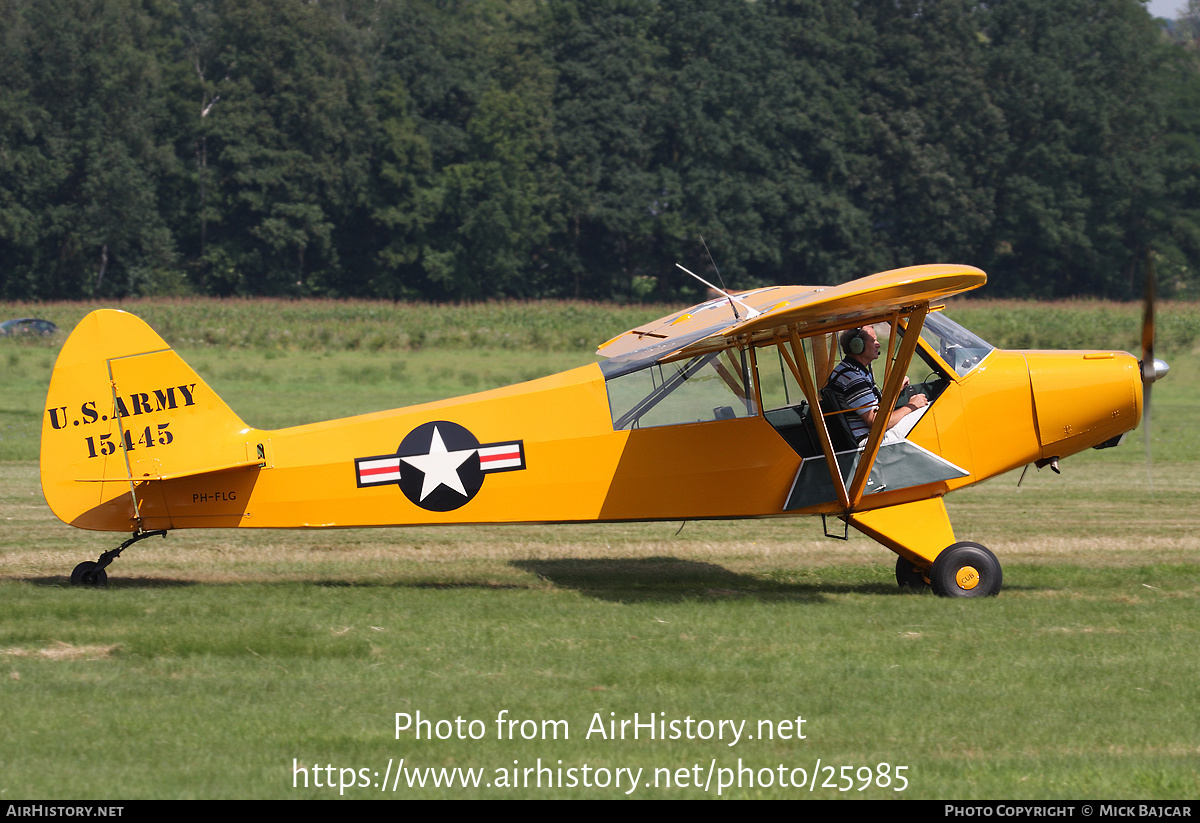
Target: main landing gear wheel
[87, 574]
[966, 570]
[909, 576]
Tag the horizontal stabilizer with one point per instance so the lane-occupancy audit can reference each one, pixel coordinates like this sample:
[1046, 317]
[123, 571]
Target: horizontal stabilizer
[244, 464]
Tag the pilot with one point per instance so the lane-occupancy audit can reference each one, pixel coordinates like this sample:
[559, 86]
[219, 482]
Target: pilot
[855, 387]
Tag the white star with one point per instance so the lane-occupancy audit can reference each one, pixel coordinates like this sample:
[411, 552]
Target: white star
[440, 466]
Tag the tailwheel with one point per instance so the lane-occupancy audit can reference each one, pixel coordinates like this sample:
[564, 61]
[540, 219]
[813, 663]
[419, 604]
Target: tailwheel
[966, 570]
[92, 572]
[911, 576]
[89, 573]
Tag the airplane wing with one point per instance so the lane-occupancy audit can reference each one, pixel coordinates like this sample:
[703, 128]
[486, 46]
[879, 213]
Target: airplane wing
[713, 325]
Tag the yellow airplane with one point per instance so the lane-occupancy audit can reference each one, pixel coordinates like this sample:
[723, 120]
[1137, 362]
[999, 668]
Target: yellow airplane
[718, 411]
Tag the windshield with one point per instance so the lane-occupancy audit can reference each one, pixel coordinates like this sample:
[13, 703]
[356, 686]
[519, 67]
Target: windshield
[961, 349]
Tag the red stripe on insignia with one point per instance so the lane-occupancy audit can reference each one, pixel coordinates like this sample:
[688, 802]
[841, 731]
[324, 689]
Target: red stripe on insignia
[384, 470]
[501, 457]
[515, 454]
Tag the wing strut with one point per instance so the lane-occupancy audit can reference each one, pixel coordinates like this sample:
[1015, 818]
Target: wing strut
[891, 352]
[891, 392]
[804, 378]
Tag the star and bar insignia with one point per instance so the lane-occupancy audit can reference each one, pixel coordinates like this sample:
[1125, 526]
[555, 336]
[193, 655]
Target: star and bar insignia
[440, 466]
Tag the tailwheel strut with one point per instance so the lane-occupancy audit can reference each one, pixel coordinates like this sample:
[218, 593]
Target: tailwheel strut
[91, 573]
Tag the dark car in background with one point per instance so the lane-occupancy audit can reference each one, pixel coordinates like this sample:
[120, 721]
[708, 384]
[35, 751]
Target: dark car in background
[27, 326]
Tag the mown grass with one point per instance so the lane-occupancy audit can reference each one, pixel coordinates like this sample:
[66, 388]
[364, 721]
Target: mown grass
[1063, 687]
[215, 658]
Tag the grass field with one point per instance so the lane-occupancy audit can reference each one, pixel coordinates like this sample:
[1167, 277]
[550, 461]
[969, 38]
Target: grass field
[249, 665]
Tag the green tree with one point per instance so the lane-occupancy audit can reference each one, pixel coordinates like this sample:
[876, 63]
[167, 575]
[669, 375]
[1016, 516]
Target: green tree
[1177, 216]
[479, 93]
[606, 97]
[716, 160]
[1078, 84]
[821, 144]
[406, 200]
[85, 150]
[931, 133]
[286, 147]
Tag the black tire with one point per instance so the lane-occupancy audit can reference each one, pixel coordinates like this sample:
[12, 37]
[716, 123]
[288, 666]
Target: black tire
[966, 570]
[86, 574]
[908, 576]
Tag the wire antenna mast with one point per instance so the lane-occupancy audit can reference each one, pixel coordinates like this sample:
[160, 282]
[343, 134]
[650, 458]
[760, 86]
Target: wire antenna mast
[734, 302]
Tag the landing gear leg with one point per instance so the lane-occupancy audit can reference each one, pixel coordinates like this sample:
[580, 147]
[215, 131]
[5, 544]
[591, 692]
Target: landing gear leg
[91, 573]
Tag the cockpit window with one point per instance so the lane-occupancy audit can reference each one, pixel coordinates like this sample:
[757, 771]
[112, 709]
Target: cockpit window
[961, 349]
[712, 386]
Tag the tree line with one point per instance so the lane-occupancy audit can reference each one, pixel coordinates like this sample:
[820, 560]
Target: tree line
[472, 149]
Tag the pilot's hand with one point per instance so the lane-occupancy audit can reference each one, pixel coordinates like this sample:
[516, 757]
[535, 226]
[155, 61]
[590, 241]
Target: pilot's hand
[904, 385]
[918, 401]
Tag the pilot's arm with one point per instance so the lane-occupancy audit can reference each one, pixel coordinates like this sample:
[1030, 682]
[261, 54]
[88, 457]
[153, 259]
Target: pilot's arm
[917, 401]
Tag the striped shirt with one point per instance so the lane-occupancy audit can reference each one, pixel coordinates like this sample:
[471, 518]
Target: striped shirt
[855, 388]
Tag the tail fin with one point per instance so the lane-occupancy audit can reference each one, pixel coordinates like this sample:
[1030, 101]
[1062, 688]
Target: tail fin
[124, 410]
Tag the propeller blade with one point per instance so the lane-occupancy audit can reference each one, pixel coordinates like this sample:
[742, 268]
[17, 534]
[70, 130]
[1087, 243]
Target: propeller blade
[1148, 322]
[1146, 433]
[1148, 364]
